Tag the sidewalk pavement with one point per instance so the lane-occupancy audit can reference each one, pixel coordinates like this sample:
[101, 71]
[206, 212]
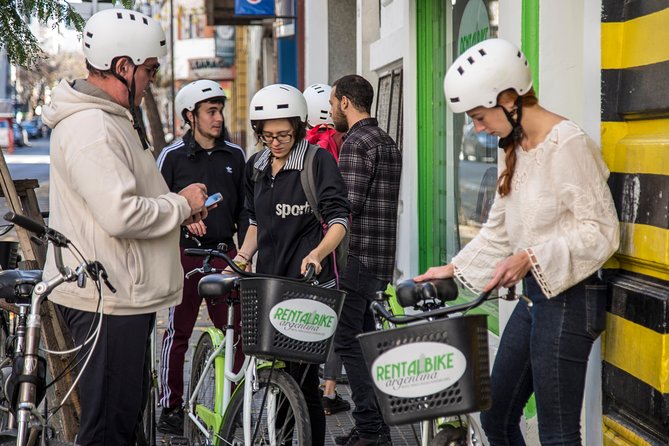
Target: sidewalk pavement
[337, 424]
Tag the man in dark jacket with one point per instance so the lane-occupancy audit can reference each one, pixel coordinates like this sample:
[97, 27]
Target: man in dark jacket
[371, 166]
[203, 153]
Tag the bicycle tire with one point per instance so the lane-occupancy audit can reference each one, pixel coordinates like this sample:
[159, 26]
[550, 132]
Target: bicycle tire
[295, 429]
[205, 346]
[146, 430]
[468, 433]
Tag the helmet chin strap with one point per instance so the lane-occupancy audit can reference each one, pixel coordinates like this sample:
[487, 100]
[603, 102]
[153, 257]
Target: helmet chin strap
[131, 102]
[516, 133]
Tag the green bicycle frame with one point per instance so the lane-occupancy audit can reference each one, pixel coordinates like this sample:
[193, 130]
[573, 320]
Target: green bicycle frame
[214, 418]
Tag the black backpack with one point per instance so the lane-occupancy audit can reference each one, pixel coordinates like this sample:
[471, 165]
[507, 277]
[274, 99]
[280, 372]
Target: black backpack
[309, 186]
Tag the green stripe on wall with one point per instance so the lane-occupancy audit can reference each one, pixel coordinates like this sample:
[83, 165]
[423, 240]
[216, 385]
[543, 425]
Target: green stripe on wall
[530, 38]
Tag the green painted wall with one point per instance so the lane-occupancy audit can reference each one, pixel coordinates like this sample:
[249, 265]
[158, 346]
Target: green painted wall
[432, 168]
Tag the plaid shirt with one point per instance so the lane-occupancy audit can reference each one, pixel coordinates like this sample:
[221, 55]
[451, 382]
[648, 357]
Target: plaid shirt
[371, 166]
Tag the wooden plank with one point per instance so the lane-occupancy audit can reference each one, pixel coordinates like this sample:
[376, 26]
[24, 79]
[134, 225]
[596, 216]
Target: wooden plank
[21, 199]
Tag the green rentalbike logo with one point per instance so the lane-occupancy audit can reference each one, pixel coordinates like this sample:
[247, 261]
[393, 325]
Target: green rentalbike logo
[418, 369]
[469, 40]
[304, 319]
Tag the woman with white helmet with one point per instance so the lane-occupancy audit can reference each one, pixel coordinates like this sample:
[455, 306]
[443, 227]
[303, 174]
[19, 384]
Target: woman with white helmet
[284, 231]
[552, 226]
[321, 130]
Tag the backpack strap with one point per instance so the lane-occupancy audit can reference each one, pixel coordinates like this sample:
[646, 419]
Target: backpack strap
[308, 179]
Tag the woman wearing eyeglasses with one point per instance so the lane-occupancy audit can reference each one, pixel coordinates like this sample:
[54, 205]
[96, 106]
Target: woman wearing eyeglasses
[283, 228]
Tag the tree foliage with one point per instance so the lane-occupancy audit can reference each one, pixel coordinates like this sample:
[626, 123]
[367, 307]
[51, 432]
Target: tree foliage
[15, 35]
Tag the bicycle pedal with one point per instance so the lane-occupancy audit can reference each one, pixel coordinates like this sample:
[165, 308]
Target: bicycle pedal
[178, 441]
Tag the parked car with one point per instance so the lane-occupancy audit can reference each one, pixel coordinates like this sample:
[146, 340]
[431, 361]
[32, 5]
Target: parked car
[4, 134]
[34, 130]
[20, 136]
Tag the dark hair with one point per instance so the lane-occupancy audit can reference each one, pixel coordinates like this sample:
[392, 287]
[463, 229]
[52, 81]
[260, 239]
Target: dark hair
[299, 127]
[357, 89]
[217, 100]
[504, 182]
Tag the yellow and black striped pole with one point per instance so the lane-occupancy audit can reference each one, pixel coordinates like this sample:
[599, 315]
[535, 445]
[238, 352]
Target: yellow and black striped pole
[635, 143]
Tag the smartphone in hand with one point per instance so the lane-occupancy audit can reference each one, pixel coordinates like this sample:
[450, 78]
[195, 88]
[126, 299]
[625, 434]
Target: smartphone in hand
[213, 199]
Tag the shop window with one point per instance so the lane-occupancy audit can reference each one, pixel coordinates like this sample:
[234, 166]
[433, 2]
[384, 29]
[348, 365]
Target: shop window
[389, 104]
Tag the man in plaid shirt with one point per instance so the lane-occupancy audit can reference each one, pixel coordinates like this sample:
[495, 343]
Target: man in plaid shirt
[371, 164]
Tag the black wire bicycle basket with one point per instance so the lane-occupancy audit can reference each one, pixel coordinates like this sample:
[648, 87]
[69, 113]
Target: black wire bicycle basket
[430, 369]
[288, 320]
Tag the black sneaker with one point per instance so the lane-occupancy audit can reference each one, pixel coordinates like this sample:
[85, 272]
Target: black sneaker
[171, 421]
[342, 440]
[335, 405]
[375, 439]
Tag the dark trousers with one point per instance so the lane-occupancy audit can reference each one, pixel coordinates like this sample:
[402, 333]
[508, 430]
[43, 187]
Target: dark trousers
[356, 318]
[114, 387]
[181, 320]
[306, 376]
[545, 349]
[332, 367]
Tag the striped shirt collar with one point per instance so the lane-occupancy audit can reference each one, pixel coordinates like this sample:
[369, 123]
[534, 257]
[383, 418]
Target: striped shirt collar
[295, 157]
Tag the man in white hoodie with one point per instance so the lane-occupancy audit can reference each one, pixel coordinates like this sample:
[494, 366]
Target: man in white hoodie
[108, 197]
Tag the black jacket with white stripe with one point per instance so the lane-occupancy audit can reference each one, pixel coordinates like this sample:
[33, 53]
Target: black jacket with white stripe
[221, 169]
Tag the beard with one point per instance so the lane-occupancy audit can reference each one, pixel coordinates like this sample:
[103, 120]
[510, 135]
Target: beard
[339, 120]
[341, 127]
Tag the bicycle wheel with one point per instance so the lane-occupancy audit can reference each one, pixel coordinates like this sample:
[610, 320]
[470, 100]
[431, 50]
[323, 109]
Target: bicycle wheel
[146, 430]
[281, 393]
[462, 431]
[207, 391]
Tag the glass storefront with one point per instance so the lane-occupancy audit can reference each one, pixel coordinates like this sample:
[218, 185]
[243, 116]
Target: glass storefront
[474, 155]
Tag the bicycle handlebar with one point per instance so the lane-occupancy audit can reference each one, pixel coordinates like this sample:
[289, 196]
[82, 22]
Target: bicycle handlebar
[380, 310]
[95, 268]
[206, 253]
[38, 229]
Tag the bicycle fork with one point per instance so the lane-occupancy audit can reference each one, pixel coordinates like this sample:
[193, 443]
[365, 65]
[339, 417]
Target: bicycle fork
[28, 384]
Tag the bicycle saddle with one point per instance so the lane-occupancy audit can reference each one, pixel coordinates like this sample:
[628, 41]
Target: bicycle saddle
[409, 293]
[16, 286]
[216, 285]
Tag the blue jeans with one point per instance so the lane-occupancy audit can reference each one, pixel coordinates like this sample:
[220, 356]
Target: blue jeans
[544, 349]
[356, 318]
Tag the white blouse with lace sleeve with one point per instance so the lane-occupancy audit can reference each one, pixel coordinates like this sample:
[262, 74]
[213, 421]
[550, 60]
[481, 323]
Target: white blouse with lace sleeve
[560, 211]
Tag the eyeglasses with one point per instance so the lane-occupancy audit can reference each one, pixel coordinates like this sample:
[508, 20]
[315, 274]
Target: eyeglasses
[152, 70]
[282, 138]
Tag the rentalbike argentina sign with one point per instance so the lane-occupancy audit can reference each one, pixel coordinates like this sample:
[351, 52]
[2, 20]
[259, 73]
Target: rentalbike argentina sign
[304, 320]
[418, 369]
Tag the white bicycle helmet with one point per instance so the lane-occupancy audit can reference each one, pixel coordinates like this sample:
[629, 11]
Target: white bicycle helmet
[195, 92]
[318, 104]
[278, 101]
[482, 72]
[113, 33]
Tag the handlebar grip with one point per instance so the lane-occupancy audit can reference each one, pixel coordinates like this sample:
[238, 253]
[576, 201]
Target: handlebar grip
[311, 271]
[197, 252]
[26, 223]
[409, 292]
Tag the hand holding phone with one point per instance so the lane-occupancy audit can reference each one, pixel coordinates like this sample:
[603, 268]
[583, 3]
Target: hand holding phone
[213, 199]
